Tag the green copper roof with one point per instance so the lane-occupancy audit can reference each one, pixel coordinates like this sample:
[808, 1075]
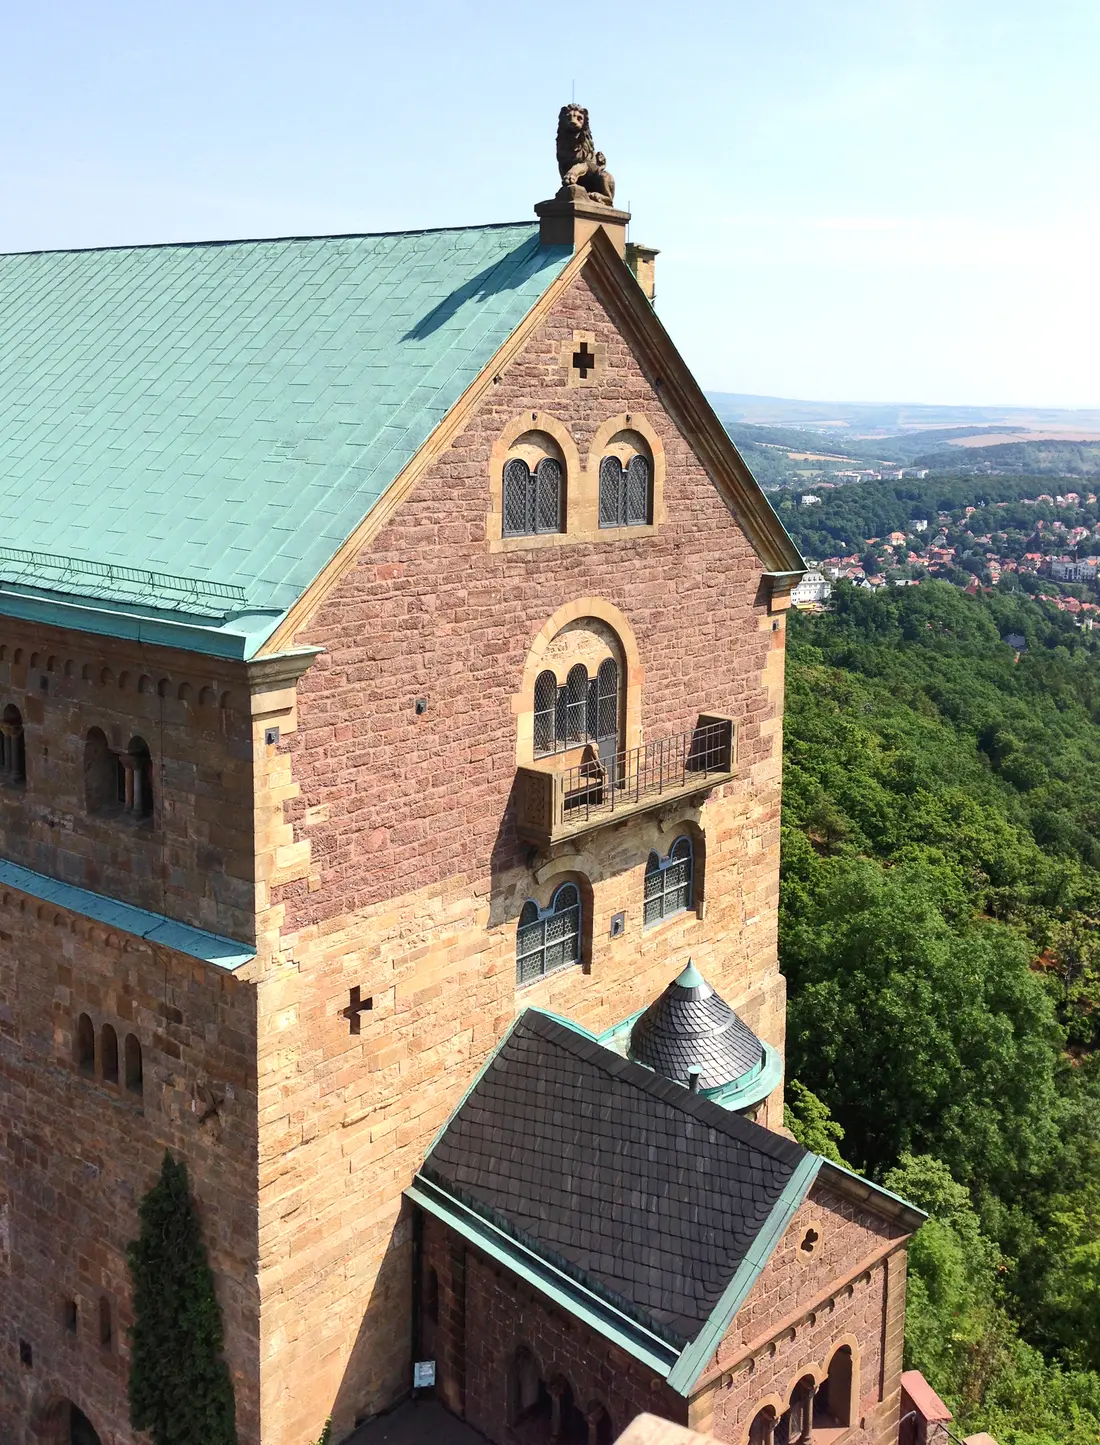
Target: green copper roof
[210, 947]
[188, 433]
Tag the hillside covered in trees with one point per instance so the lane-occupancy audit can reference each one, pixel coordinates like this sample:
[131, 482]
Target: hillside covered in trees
[941, 893]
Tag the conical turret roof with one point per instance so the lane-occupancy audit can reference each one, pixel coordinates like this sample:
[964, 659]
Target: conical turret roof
[690, 1028]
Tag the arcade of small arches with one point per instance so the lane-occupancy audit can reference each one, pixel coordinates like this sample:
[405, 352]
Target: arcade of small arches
[820, 1405]
[50, 664]
[108, 1057]
[543, 1406]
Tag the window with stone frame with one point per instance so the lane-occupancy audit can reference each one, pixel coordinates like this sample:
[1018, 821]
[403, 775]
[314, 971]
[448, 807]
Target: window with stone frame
[669, 882]
[533, 487]
[626, 482]
[548, 939]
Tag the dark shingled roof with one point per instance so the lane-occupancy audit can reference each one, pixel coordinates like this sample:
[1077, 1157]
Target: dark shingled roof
[691, 1027]
[646, 1193]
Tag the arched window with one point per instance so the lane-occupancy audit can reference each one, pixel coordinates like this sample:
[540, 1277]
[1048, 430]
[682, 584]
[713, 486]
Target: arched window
[669, 882]
[13, 752]
[833, 1405]
[133, 1064]
[85, 1045]
[102, 780]
[576, 705]
[528, 1397]
[584, 710]
[549, 939]
[626, 491]
[533, 500]
[137, 766]
[599, 1424]
[108, 1053]
[762, 1429]
[546, 706]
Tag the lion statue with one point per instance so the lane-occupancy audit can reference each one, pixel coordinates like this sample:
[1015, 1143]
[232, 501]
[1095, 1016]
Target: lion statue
[580, 165]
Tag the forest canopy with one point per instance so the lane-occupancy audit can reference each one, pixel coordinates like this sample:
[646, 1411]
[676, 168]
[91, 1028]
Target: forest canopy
[940, 895]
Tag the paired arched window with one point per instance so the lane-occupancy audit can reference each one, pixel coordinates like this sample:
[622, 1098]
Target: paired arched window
[534, 499]
[585, 709]
[669, 882]
[117, 782]
[533, 486]
[549, 938]
[13, 751]
[626, 491]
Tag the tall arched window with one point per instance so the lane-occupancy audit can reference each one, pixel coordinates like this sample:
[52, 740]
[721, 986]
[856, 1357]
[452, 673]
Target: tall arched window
[626, 491]
[533, 488]
[102, 782]
[134, 1080]
[669, 882]
[546, 708]
[762, 1429]
[85, 1045]
[13, 752]
[576, 705]
[108, 1053]
[528, 1397]
[834, 1398]
[137, 765]
[549, 939]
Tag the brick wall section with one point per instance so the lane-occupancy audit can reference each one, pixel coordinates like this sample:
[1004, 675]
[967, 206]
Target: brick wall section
[410, 879]
[77, 1154]
[486, 1314]
[195, 863]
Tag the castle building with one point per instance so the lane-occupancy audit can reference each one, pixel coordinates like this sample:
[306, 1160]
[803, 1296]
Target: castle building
[391, 687]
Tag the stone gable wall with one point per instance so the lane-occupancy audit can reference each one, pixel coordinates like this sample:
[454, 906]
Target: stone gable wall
[194, 860]
[850, 1289]
[410, 878]
[77, 1155]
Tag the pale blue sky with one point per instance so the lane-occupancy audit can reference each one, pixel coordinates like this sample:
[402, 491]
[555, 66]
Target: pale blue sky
[855, 199]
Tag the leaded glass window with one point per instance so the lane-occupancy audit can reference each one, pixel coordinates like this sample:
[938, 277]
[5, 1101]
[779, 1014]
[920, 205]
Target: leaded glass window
[532, 499]
[549, 939]
[546, 707]
[626, 494]
[583, 710]
[668, 882]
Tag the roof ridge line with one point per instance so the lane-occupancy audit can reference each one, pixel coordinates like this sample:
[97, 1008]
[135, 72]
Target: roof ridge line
[261, 240]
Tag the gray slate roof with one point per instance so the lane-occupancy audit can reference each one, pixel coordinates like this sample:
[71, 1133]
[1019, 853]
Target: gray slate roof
[691, 1027]
[649, 1195]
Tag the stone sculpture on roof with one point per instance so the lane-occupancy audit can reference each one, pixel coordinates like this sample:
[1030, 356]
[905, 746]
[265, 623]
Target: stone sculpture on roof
[583, 169]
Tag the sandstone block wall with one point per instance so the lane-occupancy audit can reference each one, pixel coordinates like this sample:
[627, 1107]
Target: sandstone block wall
[405, 877]
[78, 1153]
[193, 860]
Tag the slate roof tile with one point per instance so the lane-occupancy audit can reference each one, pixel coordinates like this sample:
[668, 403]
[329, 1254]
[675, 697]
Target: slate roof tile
[646, 1193]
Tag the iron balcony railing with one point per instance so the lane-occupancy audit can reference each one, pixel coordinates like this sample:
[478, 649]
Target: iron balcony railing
[552, 805]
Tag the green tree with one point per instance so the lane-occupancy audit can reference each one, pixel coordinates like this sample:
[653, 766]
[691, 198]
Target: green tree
[180, 1388]
[810, 1122]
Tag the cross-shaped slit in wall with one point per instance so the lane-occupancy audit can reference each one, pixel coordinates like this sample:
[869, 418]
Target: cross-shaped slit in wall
[357, 1005]
[583, 361]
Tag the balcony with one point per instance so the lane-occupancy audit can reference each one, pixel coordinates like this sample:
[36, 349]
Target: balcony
[555, 805]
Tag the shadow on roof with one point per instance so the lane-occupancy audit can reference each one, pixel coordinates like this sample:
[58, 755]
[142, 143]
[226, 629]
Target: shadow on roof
[505, 275]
